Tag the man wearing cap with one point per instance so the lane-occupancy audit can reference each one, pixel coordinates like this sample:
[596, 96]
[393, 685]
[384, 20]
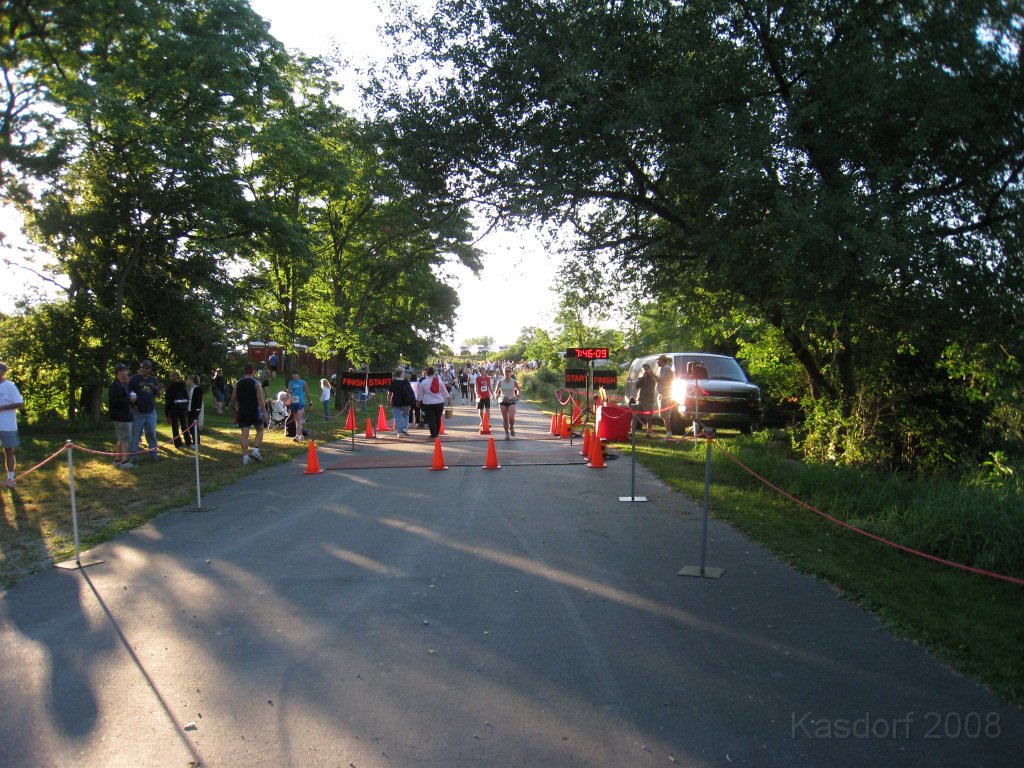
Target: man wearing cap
[119, 405]
[145, 388]
[11, 402]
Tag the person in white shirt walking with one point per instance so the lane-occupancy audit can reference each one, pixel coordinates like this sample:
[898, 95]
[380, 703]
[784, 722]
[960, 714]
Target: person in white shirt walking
[11, 402]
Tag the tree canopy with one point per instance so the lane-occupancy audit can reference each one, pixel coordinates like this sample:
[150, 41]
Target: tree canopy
[849, 174]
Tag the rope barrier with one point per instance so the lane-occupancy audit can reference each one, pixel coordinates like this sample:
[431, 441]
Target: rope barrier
[42, 463]
[868, 534]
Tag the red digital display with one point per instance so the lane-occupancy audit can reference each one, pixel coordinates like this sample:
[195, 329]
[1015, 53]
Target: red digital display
[587, 353]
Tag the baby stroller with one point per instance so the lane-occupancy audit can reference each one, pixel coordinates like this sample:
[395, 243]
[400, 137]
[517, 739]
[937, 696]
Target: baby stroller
[277, 411]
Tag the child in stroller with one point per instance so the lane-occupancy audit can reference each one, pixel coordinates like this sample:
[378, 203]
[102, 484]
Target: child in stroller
[277, 411]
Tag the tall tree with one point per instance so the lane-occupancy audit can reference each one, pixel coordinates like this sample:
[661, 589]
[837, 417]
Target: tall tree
[849, 172]
[157, 97]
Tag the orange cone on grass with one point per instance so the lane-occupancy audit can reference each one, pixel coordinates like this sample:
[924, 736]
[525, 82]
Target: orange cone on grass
[382, 420]
[438, 456]
[369, 429]
[312, 463]
[485, 424]
[492, 456]
[596, 454]
[350, 422]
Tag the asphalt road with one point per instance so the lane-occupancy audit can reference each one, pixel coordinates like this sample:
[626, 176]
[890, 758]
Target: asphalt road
[382, 614]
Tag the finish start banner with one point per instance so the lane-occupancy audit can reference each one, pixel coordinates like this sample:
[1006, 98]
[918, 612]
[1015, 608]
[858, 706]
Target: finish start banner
[375, 380]
[606, 379]
[575, 378]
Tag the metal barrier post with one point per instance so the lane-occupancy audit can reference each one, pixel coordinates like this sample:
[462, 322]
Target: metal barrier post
[702, 571]
[68, 446]
[632, 479]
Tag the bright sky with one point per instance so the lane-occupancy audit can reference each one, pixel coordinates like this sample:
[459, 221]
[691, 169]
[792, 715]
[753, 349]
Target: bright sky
[513, 290]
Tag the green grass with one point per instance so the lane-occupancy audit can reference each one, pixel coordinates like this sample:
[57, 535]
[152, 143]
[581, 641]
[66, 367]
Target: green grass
[35, 519]
[972, 622]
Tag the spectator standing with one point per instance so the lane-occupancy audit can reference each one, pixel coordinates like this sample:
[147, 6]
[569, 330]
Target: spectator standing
[434, 395]
[415, 412]
[300, 396]
[119, 407]
[247, 405]
[400, 398]
[272, 365]
[176, 409]
[11, 402]
[647, 396]
[325, 397]
[220, 390]
[195, 410]
[146, 388]
[666, 377]
[507, 391]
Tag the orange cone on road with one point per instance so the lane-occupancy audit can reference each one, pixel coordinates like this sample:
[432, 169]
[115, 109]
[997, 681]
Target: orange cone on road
[485, 424]
[596, 454]
[312, 463]
[576, 415]
[438, 456]
[350, 422]
[586, 443]
[440, 426]
[369, 429]
[492, 456]
[555, 430]
[382, 421]
[565, 428]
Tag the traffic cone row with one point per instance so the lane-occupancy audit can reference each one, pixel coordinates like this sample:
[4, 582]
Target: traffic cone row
[566, 433]
[369, 429]
[438, 456]
[350, 422]
[382, 421]
[312, 463]
[596, 458]
[586, 443]
[492, 456]
[485, 424]
[556, 428]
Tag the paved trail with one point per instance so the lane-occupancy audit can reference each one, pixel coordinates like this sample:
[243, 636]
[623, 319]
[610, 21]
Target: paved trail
[380, 614]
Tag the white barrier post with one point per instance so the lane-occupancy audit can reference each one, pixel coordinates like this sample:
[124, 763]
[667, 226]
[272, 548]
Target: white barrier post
[195, 445]
[702, 570]
[68, 446]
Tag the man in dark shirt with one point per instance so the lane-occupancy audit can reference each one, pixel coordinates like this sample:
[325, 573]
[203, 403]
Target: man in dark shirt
[119, 405]
[146, 388]
[247, 403]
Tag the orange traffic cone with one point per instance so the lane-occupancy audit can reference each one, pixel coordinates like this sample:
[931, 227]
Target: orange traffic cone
[440, 425]
[369, 429]
[586, 443]
[350, 422]
[576, 415]
[596, 454]
[555, 430]
[565, 428]
[485, 425]
[312, 463]
[382, 420]
[492, 456]
[438, 456]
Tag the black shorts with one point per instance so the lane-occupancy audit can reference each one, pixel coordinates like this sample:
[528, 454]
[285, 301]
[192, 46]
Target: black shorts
[250, 419]
[482, 403]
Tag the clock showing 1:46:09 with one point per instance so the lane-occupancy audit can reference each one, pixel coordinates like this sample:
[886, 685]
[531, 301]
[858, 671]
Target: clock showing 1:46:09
[587, 353]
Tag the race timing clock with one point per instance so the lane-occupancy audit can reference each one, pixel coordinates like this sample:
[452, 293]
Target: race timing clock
[587, 353]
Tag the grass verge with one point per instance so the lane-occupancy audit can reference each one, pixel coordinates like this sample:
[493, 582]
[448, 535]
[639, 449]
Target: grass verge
[35, 518]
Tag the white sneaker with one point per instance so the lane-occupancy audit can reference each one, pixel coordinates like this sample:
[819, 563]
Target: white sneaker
[255, 455]
[245, 459]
